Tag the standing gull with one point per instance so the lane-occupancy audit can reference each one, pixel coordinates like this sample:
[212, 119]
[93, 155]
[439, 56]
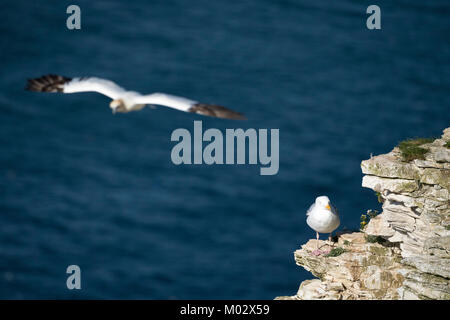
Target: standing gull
[322, 218]
[126, 101]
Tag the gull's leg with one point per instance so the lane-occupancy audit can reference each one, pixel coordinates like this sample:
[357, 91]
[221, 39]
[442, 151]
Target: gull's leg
[317, 240]
[330, 242]
[317, 252]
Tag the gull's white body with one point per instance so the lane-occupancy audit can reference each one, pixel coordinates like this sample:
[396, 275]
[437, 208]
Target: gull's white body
[124, 100]
[321, 219]
[132, 100]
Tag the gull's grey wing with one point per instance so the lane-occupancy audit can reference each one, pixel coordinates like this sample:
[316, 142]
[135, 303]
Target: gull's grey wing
[334, 210]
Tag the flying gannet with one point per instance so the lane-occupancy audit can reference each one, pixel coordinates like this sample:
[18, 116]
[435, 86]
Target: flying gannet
[126, 101]
[322, 218]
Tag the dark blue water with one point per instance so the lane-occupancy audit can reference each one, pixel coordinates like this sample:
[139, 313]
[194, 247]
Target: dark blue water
[81, 186]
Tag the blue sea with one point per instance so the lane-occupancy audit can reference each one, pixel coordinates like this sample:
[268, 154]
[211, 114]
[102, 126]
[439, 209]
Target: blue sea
[81, 186]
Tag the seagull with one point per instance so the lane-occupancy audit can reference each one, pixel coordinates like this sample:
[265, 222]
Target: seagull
[126, 101]
[322, 217]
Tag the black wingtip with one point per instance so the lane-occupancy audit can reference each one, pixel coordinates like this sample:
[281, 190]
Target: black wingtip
[217, 111]
[47, 83]
[30, 86]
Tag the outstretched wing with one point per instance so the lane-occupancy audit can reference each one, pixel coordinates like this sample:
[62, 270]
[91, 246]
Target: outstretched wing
[188, 105]
[55, 83]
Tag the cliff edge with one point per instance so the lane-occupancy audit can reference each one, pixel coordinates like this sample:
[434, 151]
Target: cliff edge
[401, 253]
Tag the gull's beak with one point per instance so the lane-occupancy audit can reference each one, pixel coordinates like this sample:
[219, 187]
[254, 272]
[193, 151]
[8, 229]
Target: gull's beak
[328, 206]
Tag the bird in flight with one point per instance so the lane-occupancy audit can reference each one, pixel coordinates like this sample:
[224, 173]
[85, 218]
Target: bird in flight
[126, 101]
[322, 218]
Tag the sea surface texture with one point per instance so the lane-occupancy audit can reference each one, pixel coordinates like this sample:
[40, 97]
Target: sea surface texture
[81, 186]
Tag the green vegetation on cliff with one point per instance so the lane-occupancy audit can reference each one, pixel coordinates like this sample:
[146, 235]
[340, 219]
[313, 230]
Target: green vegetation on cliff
[411, 149]
[335, 252]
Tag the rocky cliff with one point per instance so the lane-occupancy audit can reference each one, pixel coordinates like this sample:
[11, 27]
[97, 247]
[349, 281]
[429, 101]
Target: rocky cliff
[402, 253]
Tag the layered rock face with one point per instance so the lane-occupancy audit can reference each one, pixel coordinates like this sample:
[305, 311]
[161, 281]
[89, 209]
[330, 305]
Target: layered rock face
[412, 258]
[364, 271]
[416, 215]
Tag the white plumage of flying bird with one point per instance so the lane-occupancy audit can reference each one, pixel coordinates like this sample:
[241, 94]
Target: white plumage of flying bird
[126, 101]
[322, 217]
